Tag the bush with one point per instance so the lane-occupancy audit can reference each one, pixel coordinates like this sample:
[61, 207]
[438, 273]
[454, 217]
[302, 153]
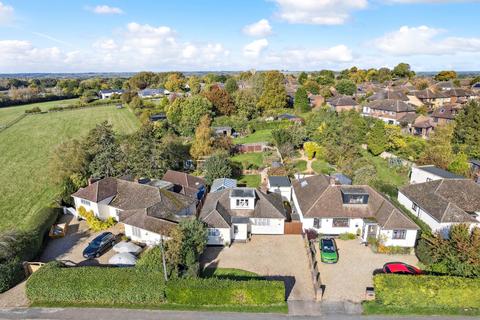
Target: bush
[212, 291]
[347, 236]
[427, 292]
[33, 110]
[93, 222]
[151, 260]
[393, 250]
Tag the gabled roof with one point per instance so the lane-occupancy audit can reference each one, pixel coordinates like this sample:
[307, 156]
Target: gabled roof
[98, 191]
[423, 122]
[318, 198]
[342, 100]
[446, 200]
[216, 211]
[459, 92]
[279, 181]
[445, 112]
[391, 105]
[440, 172]
[185, 183]
[429, 94]
[388, 94]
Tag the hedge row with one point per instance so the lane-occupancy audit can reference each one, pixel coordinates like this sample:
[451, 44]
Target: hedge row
[24, 245]
[440, 292]
[7, 102]
[136, 287]
[81, 105]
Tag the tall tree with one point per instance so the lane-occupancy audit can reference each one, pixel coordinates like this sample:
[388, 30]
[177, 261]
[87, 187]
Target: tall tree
[194, 84]
[439, 147]
[301, 103]
[377, 138]
[231, 85]
[221, 101]
[203, 142]
[246, 103]
[467, 129]
[274, 94]
[217, 166]
[193, 109]
[302, 77]
[346, 86]
[175, 82]
[402, 70]
[446, 75]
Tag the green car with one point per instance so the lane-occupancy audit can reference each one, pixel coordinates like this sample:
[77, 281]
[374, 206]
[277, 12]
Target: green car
[328, 251]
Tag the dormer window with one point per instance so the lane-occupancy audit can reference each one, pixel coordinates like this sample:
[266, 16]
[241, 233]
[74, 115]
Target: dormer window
[242, 198]
[354, 196]
[242, 203]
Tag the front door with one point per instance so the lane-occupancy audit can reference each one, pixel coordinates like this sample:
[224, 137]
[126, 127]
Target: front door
[240, 231]
[369, 231]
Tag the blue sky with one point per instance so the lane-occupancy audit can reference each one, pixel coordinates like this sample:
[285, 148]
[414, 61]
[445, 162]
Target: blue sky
[124, 35]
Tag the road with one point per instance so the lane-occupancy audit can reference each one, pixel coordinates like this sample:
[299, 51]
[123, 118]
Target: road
[127, 314]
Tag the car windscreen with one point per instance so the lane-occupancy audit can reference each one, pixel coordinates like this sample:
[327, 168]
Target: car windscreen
[327, 246]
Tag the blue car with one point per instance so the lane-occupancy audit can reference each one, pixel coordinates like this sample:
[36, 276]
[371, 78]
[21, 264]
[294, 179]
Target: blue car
[99, 245]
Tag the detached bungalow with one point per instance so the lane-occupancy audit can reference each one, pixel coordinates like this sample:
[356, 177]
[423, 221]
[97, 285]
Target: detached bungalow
[236, 214]
[186, 184]
[335, 209]
[148, 212]
[342, 103]
[107, 94]
[427, 173]
[442, 203]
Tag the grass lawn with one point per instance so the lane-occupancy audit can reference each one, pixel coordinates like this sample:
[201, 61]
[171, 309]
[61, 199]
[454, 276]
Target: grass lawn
[25, 149]
[386, 173]
[257, 136]
[321, 166]
[374, 308]
[255, 158]
[251, 180]
[300, 165]
[7, 114]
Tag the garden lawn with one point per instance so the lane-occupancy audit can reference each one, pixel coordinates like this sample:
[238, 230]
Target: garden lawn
[257, 136]
[25, 149]
[387, 174]
[8, 114]
[321, 166]
[255, 158]
[251, 180]
[300, 165]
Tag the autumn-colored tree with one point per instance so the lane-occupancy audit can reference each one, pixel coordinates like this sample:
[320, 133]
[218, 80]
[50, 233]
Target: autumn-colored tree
[274, 94]
[175, 82]
[460, 165]
[194, 84]
[313, 150]
[222, 102]
[446, 75]
[439, 147]
[203, 142]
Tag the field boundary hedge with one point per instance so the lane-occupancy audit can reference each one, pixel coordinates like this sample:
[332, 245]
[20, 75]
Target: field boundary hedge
[137, 288]
[427, 292]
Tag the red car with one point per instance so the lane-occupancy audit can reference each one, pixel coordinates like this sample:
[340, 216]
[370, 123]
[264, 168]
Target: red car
[401, 268]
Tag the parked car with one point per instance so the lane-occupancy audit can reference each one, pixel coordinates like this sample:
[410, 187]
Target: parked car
[328, 251]
[99, 245]
[400, 268]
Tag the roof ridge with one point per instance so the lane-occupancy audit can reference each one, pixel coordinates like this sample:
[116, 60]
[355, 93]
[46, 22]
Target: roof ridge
[318, 199]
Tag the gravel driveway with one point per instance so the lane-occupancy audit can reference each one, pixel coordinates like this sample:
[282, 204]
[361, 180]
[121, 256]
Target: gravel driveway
[349, 277]
[277, 256]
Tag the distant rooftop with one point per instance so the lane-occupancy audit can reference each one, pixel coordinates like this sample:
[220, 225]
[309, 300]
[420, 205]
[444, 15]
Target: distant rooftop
[440, 172]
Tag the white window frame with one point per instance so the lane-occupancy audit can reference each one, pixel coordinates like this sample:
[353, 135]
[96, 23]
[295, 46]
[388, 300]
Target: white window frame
[317, 223]
[261, 222]
[136, 232]
[414, 207]
[213, 232]
[85, 202]
[242, 203]
[399, 234]
[342, 226]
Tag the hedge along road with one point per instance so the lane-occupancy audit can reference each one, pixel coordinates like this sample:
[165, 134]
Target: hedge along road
[128, 314]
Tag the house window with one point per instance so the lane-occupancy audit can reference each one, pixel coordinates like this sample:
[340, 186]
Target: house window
[136, 232]
[414, 206]
[242, 203]
[356, 199]
[85, 202]
[261, 222]
[213, 232]
[341, 222]
[317, 223]
[235, 229]
[399, 234]
[429, 179]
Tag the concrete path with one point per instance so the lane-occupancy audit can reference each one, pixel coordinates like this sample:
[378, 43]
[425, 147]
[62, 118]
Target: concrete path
[128, 314]
[15, 297]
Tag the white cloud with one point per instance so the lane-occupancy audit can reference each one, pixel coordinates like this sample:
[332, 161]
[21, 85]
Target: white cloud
[260, 28]
[16, 54]
[326, 12]
[255, 48]
[424, 40]
[6, 14]
[104, 9]
[311, 58]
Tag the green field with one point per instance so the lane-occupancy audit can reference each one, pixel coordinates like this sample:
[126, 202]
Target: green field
[321, 166]
[257, 136]
[25, 149]
[7, 114]
[250, 180]
[255, 158]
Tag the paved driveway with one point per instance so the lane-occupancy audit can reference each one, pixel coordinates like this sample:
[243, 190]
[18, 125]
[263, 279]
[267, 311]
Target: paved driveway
[349, 277]
[278, 256]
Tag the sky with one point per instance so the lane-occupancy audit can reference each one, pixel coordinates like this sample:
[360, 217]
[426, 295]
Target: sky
[214, 35]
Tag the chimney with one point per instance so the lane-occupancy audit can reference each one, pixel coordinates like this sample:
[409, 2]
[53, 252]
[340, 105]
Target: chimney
[92, 180]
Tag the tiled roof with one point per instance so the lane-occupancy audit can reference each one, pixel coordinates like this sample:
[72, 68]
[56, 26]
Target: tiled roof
[342, 101]
[388, 94]
[391, 105]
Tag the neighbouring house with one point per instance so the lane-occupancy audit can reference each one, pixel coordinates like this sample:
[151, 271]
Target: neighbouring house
[280, 185]
[107, 94]
[236, 214]
[342, 103]
[158, 117]
[418, 125]
[420, 174]
[340, 178]
[389, 94]
[149, 212]
[476, 86]
[188, 185]
[444, 114]
[445, 85]
[222, 184]
[332, 209]
[459, 95]
[428, 97]
[315, 100]
[442, 203]
[151, 93]
[222, 131]
[291, 117]
[390, 111]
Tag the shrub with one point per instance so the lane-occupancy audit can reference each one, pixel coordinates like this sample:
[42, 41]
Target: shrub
[393, 250]
[313, 150]
[347, 236]
[427, 291]
[93, 222]
[151, 260]
[33, 110]
[212, 291]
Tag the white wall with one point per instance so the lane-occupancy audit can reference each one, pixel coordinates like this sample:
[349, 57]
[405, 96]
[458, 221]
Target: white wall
[147, 237]
[93, 206]
[251, 203]
[419, 176]
[409, 240]
[420, 213]
[224, 238]
[242, 231]
[327, 227]
[285, 192]
[275, 226]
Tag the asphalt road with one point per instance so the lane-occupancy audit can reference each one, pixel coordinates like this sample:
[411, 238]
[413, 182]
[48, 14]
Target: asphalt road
[127, 314]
